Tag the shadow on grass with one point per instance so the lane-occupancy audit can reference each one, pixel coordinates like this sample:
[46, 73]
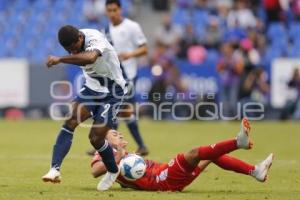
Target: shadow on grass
[193, 191]
[233, 192]
[119, 189]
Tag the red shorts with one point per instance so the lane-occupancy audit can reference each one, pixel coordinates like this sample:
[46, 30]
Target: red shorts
[180, 174]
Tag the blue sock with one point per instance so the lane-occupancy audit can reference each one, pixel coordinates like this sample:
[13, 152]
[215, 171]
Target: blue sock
[134, 130]
[108, 158]
[62, 146]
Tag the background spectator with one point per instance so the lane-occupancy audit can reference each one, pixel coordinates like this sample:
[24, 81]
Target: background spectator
[292, 107]
[168, 33]
[229, 67]
[94, 10]
[241, 15]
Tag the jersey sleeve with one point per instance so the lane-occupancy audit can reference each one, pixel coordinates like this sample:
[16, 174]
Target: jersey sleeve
[138, 35]
[95, 44]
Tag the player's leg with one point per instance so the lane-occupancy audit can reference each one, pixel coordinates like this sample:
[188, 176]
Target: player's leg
[64, 141]
[104, 120]
[97, 139]
[127, 112]
[230, 163]
[212, 152]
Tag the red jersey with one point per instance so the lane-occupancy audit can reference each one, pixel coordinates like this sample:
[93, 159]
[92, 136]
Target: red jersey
[172, 176]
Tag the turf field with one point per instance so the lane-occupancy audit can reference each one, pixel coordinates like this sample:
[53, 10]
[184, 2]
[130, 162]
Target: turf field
[25, 149]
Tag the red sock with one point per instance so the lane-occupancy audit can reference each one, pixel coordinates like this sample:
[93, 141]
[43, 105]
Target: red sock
[233, 164]
[214, 151]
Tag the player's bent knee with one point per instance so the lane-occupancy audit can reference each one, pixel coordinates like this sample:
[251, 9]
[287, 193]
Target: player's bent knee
[72, 122]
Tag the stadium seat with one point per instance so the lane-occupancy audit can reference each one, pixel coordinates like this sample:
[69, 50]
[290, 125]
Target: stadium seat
[275, 31]
[294, 30]
[180, 16]
[269, 56]
[200, 18]
[212, 56]
[234, 34]
[293, 52]
[280, 42]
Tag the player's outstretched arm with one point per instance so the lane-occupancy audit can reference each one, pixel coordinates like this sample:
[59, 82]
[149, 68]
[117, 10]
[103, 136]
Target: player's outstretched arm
[80, 59]
[140, 51]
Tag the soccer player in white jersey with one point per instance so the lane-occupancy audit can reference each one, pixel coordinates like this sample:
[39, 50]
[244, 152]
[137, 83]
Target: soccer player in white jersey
[130, 43]
[99, 98]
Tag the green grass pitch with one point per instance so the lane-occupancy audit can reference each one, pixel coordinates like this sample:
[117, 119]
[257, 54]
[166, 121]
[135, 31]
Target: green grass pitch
[26, 147]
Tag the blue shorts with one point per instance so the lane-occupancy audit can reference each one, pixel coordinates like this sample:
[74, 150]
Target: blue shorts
[103, 107]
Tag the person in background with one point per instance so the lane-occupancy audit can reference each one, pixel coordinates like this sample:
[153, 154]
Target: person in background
[292, 107]
[187, 39]
[229, 67]
[130, 43]
[168, 33]
[273, 10]
[94, 10]
[255, 89]
[241, 16]
[213, 33]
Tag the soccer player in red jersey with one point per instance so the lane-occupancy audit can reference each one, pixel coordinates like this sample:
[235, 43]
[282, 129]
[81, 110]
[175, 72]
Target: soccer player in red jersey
[186, 167]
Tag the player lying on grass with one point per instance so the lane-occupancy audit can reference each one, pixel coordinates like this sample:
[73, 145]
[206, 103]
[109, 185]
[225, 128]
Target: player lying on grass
[186, 167]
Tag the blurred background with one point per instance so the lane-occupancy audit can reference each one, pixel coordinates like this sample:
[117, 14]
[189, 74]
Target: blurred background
[225, 51]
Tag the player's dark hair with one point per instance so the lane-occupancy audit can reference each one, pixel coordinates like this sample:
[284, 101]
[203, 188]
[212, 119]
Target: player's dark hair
[68, 35]
[118, 2]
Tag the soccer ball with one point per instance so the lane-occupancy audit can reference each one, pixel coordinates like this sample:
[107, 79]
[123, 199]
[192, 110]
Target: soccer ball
[133, 167]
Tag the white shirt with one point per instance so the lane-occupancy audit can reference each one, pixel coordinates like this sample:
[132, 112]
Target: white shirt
[126, 37]
[244, 18]
[106, 66]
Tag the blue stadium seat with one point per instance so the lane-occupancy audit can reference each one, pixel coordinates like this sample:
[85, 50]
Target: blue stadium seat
[212, 56]
[126, 5]
[294, 52]
[271, 54]
[280, 42]
[45, 17]
[234, 34]
[200, 32]
[181, 16]
[275, 31]
[294, 30]
[200, 18]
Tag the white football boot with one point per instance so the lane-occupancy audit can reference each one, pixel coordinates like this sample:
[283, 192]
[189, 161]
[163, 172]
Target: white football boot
[107, 181]
[260, 172]
[52, 176]
[243, 139]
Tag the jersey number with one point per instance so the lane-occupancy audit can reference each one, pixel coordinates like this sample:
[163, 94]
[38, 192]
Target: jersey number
[106, 108]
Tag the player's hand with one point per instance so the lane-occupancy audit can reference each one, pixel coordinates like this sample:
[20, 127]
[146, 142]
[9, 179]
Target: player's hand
[52, 60]
[124, 56]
